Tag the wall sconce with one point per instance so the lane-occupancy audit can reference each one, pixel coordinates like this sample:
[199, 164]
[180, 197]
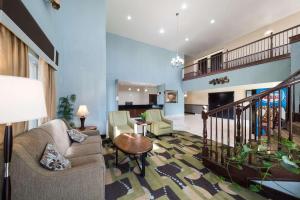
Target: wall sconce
[55, 4]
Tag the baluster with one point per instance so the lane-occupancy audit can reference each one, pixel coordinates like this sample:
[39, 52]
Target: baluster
[242, 124]
[274, 111]
[234, 129]
[279, 121]
[260, 120]
[238, 113]
[245, 126]
[250, 130]
[216, 138]
[211, 141]
[256, 120]
[291, 113]
[268, 119]
[222, 135]
[204, 118]
[228, 133]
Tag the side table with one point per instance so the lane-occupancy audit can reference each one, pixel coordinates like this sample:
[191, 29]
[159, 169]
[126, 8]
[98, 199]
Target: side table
[144, 125]
[89, 130]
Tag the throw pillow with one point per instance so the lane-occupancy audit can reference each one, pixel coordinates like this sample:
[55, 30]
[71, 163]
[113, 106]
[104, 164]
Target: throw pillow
[53, 160]
[76, 135]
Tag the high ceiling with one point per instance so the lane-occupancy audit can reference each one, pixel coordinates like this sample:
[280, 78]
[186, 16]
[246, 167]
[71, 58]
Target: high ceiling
[233, 18]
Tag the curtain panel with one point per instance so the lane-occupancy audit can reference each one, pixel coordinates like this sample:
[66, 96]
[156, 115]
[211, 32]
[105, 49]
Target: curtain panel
[47, 76]
[14, 61]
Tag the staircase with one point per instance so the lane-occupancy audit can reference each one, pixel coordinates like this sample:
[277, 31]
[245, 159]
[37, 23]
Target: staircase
[260, 122]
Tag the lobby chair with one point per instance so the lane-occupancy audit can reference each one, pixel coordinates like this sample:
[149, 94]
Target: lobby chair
[160, 125]
[119, 122]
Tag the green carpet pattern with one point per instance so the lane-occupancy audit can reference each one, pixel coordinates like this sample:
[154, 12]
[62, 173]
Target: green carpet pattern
[174, 170]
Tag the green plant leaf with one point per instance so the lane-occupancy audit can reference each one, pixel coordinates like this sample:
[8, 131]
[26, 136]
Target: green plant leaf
[267, 164]
[255, 187]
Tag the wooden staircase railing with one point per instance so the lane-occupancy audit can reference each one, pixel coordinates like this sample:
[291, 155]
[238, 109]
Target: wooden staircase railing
[243, 121]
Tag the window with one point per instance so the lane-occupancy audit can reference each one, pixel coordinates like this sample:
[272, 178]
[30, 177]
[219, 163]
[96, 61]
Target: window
[203, 66]
[33, 74]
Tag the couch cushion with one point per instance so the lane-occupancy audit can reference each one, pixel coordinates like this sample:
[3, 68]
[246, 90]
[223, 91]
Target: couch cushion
[57, 129]
[83, 150]
[90, 140]
[163, 125]
[78, 161]
[34, 142]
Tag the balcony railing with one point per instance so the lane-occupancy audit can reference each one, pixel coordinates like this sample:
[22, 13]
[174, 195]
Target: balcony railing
[273, 47]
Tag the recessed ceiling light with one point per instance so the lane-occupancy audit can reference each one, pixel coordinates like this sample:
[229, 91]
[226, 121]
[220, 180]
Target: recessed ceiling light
[268, 32]
[138, 89]
[212, 21]
[129, 17]
[187, 39]
[183, 6]
[146, 90]
[161, 31]
[129, 89]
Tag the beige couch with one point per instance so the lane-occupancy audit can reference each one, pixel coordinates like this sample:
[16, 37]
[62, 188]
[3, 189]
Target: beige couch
[85, 180]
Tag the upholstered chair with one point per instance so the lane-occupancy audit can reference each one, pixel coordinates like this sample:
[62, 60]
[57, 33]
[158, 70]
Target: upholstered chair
[160, 125]
[119, 122]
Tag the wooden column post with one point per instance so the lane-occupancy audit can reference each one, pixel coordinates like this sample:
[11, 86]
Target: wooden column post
[204, 118]
[238, 124]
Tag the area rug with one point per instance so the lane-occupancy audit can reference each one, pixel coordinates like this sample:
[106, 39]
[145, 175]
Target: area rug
[174, 170]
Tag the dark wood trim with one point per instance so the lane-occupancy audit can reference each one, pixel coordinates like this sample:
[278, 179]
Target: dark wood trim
[277, 58]
[295, 39]
[1, 4]
[19, 14]
[56, 58]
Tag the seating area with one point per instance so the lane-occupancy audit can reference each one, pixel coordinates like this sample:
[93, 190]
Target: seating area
[144, 100]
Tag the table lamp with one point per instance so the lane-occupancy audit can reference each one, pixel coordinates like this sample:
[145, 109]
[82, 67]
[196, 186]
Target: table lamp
[22, 99]
[82, 113]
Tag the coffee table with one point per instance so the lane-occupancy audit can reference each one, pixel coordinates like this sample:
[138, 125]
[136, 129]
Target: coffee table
[134, 145]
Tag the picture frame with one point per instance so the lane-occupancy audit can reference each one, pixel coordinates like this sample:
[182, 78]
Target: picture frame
[171, 96]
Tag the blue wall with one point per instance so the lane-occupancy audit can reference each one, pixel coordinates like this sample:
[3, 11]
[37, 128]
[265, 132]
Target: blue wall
[82, 29]
[295, 65]
[129, 60]
[263, 73]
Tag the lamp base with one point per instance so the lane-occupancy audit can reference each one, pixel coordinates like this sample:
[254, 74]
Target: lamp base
[8, 142]
[82, 120]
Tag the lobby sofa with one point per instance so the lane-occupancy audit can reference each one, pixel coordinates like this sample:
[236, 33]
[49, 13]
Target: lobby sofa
[160, 125]
[119, 122]
[29, 180]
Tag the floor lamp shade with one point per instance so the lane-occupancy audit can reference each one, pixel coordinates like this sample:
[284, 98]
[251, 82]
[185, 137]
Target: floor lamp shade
[22, 99]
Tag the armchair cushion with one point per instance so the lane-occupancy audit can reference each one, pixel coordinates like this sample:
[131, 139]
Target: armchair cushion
[163, 125]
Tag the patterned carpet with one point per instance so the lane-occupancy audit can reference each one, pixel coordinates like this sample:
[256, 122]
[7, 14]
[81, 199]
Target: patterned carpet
[174, 170]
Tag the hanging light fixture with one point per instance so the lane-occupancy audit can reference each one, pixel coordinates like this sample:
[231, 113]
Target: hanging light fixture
[177, 61]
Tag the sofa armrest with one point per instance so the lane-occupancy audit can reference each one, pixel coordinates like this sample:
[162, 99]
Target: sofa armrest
[154, 127]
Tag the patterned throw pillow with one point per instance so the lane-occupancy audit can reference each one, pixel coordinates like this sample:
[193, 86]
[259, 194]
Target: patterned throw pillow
[76, 135]
[53, 160]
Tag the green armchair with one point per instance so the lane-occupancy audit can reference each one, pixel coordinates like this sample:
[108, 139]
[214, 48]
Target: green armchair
[160, 125]
[119, 122]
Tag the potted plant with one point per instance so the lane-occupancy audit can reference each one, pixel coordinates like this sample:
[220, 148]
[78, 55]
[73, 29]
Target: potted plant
[143, 116]
[66, 109]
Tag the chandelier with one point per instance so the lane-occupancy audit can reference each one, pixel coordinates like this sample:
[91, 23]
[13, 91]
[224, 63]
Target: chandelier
[177, 61]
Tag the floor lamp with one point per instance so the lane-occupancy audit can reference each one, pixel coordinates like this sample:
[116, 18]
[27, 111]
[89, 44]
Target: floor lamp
[22, 99]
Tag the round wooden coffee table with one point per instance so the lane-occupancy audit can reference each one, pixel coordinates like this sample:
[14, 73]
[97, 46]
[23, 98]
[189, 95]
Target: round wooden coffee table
[134, 145]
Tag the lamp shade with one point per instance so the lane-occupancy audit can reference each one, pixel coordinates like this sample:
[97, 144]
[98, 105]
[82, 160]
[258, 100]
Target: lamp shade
[21, 99]
[82, 111]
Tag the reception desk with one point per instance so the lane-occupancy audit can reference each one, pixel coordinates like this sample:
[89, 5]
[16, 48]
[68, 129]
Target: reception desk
[136, 110]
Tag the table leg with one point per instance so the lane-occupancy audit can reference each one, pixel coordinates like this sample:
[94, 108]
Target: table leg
[143, 156]
[145, 130]
[116, 157]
